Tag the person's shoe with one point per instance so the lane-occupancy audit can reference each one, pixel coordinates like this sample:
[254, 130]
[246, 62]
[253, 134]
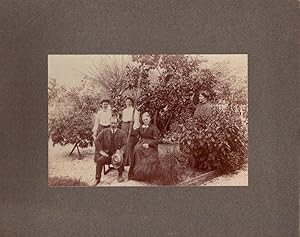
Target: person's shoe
[129, 177]
[97, 181]
[130, 174]
[120, 178]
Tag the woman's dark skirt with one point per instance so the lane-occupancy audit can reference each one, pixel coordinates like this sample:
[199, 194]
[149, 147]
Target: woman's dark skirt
[146, 162]
[131, 143]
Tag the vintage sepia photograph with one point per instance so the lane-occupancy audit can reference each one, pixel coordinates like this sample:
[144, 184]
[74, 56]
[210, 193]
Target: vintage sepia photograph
[162, 118]
[148, 120]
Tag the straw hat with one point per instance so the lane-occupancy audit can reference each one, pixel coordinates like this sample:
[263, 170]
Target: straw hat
[117, 159]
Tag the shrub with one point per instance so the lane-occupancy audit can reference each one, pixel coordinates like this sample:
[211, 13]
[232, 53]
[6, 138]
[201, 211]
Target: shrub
[68, 126]
[70, 118]
[219, 142]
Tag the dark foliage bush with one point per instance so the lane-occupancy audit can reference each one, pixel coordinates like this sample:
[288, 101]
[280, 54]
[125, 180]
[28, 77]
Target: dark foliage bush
[218, 142]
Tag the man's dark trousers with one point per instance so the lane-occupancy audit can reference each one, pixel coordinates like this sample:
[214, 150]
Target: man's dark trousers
[101, 161]
[113, 141]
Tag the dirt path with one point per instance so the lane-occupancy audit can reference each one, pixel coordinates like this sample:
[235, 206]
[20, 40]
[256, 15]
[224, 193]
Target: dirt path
[239, 179]
[60, 164]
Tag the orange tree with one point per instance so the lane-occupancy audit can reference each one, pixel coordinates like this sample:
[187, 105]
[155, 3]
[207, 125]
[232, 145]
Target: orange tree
[70, 117]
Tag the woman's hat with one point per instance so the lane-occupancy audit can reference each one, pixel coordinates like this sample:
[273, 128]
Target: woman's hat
[117, 159]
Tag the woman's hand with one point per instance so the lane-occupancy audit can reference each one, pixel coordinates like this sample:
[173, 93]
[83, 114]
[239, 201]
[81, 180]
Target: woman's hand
[103, 153]
[146, 145]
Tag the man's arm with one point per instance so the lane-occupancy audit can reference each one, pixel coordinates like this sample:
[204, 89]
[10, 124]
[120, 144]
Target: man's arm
[103, 153]
[155, 140]
[96, 124]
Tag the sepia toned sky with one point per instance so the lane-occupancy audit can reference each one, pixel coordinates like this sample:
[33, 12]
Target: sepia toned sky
[68, 69]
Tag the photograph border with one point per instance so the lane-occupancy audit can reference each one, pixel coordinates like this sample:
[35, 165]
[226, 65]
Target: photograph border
[265, 30]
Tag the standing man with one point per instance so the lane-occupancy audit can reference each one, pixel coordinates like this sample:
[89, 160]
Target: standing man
[127, 120]
[110, 141]
[102, 118]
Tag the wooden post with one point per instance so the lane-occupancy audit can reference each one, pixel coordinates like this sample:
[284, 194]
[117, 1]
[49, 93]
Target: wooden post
[78, 151]
[74, 148]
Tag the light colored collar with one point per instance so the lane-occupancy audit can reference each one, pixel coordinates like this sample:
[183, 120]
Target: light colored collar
[113, 130]
[145, 126]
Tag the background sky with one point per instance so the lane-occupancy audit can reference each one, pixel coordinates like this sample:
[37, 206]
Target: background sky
[68, 69]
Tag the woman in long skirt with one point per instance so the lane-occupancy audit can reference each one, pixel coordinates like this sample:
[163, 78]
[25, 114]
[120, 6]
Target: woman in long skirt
[144, 165]
[128, 119]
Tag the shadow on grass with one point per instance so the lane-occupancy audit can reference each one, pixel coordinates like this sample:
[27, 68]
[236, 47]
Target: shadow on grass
[65, 182]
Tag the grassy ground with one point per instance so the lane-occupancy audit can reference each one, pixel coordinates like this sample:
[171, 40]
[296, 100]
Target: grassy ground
[62, 167]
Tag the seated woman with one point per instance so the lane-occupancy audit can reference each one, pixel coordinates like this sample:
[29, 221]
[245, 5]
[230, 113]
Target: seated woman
[145, 161]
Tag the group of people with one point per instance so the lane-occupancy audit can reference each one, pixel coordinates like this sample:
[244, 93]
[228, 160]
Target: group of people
[122, 133]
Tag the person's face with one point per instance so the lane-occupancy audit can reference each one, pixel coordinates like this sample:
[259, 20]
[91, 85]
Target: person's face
[113, 123]
[105, 105]
[146, 120]
[128, 103]
[202, 99]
